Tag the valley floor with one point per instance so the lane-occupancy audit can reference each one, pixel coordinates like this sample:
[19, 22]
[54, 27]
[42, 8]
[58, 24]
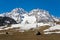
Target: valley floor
[29, 36]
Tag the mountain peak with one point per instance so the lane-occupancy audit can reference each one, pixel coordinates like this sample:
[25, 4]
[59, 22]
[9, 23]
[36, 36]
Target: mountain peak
[18, 10]
[39, 11]
[41, 15]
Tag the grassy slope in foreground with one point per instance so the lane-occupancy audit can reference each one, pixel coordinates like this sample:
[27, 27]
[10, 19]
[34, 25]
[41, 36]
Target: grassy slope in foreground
[28, 35]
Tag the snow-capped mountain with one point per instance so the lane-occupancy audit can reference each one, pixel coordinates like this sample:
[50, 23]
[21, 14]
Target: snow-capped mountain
[39, 15]
[16, 14]
[19, 18]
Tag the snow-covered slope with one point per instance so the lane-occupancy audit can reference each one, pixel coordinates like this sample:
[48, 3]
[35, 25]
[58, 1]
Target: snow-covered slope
[16, 14]
[27, 20]
[57, 27]
[2, 15]
[53, 29]
[56, 19]
[41, 15]
[23, 27]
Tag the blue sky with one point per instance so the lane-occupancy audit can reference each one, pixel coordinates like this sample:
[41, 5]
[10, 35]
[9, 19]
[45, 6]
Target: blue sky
[53, 6]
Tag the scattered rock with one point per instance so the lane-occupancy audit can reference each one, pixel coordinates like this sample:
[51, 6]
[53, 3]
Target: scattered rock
[38, 33]
[7, 33]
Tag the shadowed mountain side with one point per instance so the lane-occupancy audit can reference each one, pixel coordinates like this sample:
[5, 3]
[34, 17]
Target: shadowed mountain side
[7, 20]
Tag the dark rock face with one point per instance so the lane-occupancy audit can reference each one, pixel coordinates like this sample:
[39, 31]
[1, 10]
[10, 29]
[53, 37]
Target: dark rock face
[38, 33]
[7, 33]
[6, 20]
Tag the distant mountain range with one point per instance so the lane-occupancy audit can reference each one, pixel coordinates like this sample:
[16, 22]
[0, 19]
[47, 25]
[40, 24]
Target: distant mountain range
[36, 15]
[22, 20]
